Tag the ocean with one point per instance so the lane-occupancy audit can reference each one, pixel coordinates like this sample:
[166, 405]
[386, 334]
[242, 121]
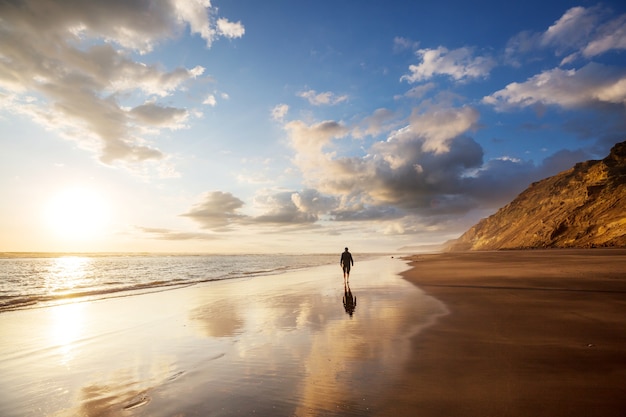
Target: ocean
[37, 280]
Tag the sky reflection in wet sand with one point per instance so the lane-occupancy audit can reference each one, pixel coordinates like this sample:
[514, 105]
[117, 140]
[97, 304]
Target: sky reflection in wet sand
[280, 345]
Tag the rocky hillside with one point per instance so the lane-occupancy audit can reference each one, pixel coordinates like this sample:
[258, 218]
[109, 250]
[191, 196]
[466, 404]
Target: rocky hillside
[582, 207]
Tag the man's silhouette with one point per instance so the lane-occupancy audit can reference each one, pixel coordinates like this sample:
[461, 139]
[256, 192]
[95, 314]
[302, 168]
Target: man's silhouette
[346, 262]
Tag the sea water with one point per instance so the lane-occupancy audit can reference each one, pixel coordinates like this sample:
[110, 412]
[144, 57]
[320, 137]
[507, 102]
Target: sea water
[36, 280]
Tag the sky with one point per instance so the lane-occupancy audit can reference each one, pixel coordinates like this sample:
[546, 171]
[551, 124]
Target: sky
[241, 126]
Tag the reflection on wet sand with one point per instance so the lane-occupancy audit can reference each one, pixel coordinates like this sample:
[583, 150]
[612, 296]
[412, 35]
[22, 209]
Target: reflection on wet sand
[219, 319]
[276, 345]
[350, 362]
[349, 300]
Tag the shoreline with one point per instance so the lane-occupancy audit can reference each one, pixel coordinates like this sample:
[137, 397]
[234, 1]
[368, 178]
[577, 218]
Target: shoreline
[286, 344]
[536, 333]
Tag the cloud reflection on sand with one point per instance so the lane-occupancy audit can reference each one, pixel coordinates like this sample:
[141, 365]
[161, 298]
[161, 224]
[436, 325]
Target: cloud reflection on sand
[275, 345]
[298, 346]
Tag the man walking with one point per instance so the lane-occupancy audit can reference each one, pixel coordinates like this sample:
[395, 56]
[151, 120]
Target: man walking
[346, 262]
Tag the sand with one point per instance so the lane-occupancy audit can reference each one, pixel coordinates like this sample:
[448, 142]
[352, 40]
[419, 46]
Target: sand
[530, 333]
[283, 345]
[519, 333]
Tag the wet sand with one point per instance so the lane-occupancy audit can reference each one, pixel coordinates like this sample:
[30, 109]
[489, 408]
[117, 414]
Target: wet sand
[283, 345]
[530, 333]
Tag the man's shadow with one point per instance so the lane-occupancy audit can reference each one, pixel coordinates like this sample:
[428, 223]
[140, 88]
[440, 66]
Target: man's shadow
[349, 300]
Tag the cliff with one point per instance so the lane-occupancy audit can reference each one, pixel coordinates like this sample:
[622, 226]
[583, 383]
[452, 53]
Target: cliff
[582, 207]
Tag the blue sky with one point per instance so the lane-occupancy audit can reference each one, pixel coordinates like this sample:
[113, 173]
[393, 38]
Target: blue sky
[278, 126]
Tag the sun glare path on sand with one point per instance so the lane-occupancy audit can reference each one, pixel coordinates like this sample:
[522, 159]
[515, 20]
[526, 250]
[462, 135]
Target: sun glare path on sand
[77, 213]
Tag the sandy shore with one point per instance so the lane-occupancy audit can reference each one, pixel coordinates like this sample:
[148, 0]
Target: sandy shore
[530, 333]
[295, 344]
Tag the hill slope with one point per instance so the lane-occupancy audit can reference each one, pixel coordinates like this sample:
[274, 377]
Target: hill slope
[582, 207]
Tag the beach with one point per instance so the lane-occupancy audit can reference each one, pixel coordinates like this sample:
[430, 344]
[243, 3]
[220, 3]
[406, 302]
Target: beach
[530, 333]
[298, 343]
[509, 333]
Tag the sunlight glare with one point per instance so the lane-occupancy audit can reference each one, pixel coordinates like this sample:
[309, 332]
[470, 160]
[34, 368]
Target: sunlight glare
[66, 329]
[77, 213]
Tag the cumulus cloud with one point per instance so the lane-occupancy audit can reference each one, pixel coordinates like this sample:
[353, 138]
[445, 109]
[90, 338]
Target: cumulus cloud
[216, 211]
[382, 120]
[326, 98]
[428, 169]
[292, 208]
[459, 64]
[77, 61]
[220, 211]
[592, 84]
[417, 168]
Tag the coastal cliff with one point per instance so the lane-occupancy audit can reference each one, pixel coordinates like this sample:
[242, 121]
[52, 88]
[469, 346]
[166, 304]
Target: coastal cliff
[582, 207]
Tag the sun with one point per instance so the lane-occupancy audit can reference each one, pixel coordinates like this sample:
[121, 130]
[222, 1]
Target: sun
[77, 213]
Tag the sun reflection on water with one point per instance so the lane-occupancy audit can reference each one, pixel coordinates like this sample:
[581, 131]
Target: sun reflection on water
[67, 273]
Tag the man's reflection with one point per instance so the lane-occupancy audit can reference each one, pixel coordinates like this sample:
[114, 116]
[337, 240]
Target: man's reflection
[349, 300]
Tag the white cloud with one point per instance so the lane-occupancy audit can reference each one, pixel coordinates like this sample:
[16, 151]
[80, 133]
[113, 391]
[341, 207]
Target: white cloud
[279, 112]
[439, 126]
[78, 62]
[580, 32]
[594, 83]
[322, 99]
[573, 28]
[216, 210]
[230, 29]
[459, 64]
[610, 36]
[210, 100]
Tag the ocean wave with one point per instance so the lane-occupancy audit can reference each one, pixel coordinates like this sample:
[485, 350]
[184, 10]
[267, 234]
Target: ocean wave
[27, 283]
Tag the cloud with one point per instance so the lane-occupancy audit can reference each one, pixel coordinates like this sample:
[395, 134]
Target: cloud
[76, 61]
[279, 112]
[322, 99]
[459, 64]
[429, 171]
[168, 234]
[230, 29]
[438, 126]
[315, 137]
[401, 44]
[419, 91]
[416, 166]
[579, 32]
[152, 114]
[219, 211]
[572, 29]
[609, 36]
[289, 207]
[382, 120]
[592, 84]
[210, 100]
[216, 211]
[201, 20]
